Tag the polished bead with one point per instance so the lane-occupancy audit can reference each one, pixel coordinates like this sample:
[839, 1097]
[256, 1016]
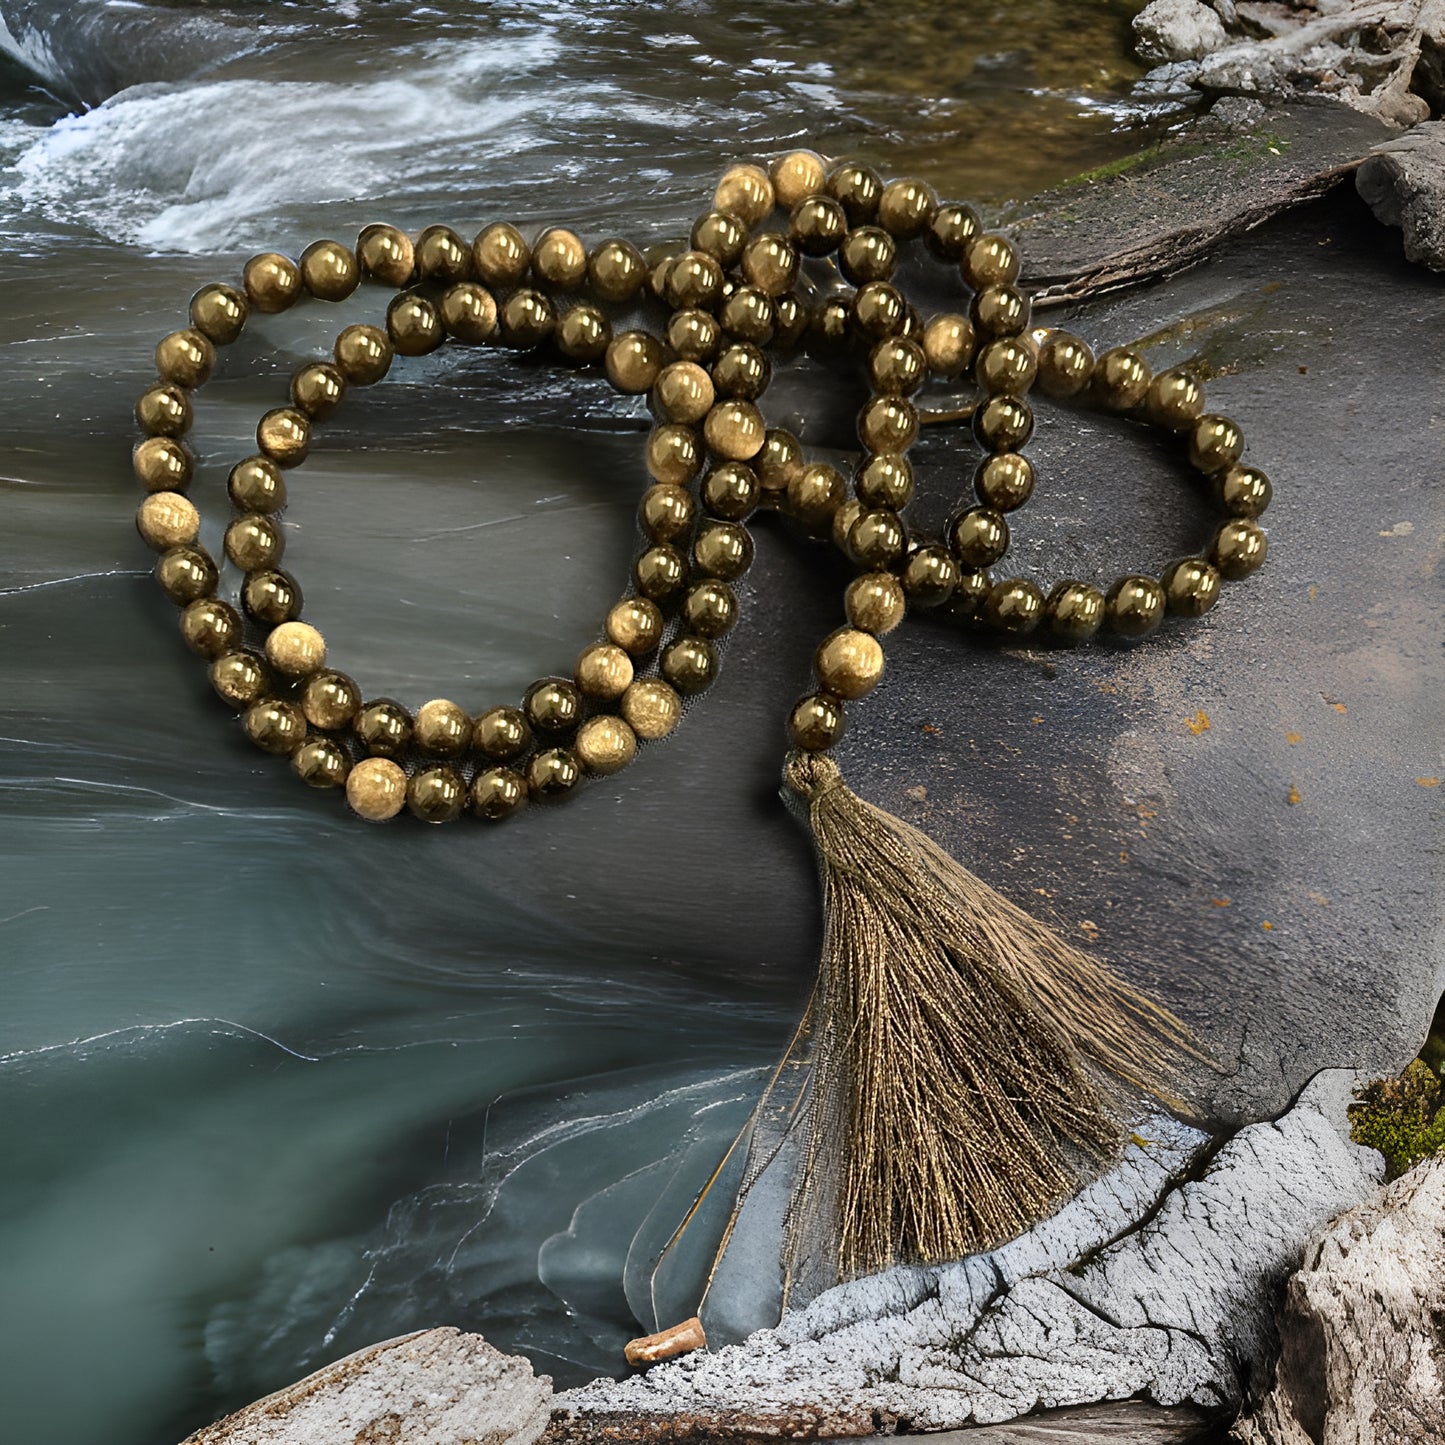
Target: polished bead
[879, 310]
[951, 228]
[1003, 424]
[527, 318]
[1075, 611]
[796, 176]
[384, 728]
[606, 744]
[502, 734]
[634, 360]
[990, 261]
[690, 664]
[469, 313]
[674, 454]
[321, 763]
[817, 225]
[167, 519]
[239, 677]
[163, 464]
[210, 627]
[694, 335]
[731, 491]
[414, 325]
[442, 728]
[185, 358]
[849, 662]
[275, 726]
[376, 789]
[284, 435]
[1191, 587]
[1243, 491]
[500, 255]
[745, 192]
[695, 280]
[856, 189]
[363, 354]
[659, 571]
[741, 372]
[867, 253]
[710, 608]
[219, 313]
[842, 526]
[164, 411]
[553, 773]
[721, 236]
[1015, 606]
[1007, 367]
[1239, 548]
[790, 322]
[1066, 365]
[329, 271]
[748, 315]
[723, 550]
[635, 625]
[815, 492]
[442, 256]
[948, 343]
[969, 599]
[330, 700]
[875, 602]
[604, 671]
[272, 281]
[660, 259]
[186, 573]
[616, 270]
[1215, 444]
[779, 461]
[295, 649]
[897, 367]
[497, 793]
[436, 795]
[978, 537]
[831, 326]
[816, 722]
[1174, 400]
[254, 541]
[1121, 379]
[904, 208]
[877, 539]
[734, 430]
[583, 334]
[1004, 481]
[1000, 311]
[553, 706]
[386, 254]
[559, 259]
[666, 512]
[885, 481]
[318, 389]
[770, 263]
[683, 392]
[1134, 606]
[256, 485]
[652, 708]
[929, 575]
[271, 597]
[887, 424]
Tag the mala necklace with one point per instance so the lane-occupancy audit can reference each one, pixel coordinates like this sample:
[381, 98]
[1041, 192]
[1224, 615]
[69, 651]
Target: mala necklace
[960, 1069]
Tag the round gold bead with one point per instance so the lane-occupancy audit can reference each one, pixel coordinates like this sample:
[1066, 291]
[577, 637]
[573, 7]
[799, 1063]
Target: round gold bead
[634, 361]
[559, 259]
[951, 229]
[501, 255]
[604, 671]
[1003, 424]
[667, 512]
[296, 649]
[875, 602]
[553, 706]
[790, 322]
[210, 627]
[442, 728]
[723, 550]
[436, 795]
[497, 793]
[721, 236]
[1001, 311]
[710, 608]
[414, 325]
[363, 354]
[1174, 400]
[583, 334]
[683, 392]
[887, 424]
[1004, 481]
[317, 389]
[219, 313]
[796, 176]
[877, 539]
[1215, 444]
[635, 625]
[527, 319]
[275, 726]
[816, 722]
[856, 189]
[384, 727]
[744, 192]
[815, 493]
[1243, 491]
[1121, 379]
[849, 663]
[185, 358]
[1239, 548]
[272, 281]
[731, 491]
[329, 271]
[616, 271]
[904, 208]
[690, 664]
[605, 744]
[1007, 367]
[734, 430]
[442, 255]
[1134, 606]
[695, 279]
[1066, 365]
[254, 541]
[652, 708]
[830, 328]
[469, 313]
[256, 485]
[694, 335]
[897, 367]
[284, 435]
[659, 571]
[748, 315]
[330, 700]
[842, 526]
[659, 260]
[742, 372]
[978, 537]
[186, 573]
[969, 601]
[673, 454]
[778, 461]
[553, 773]
[239, 678]
[376, 789]
[990, 261]
[770, 263]
[1075, 611]
[386, 254]
[867, 253]
[321, 763]
[879, 310]
[271, 597]
[929, 575]
[885, 481]
[167, 519]
[1015, 606]
[817, 225]
[502, 734]
[164, 411]
[1191, 587]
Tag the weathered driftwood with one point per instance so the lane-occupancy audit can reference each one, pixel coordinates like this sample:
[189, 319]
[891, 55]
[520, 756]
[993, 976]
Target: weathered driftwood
[1129, 1422]
[1403, 181]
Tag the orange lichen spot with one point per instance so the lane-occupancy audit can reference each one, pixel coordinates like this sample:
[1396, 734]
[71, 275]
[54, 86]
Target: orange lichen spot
[931, 728]
[1428, 782]
[1313, 593]
[1294, 796]
[1123, 855]
[1221, 902]
[1036, 720]
[1339, 707]
[1293, 738]
[1199, 723]
[1267, 926]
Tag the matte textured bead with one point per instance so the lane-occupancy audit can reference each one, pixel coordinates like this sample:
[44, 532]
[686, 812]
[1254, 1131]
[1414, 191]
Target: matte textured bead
[849, 663]
[275, 726]
[384, 727]
[1134, 606]
[329, 270]
[652, 708]
[386, 254]
[376, 789]
[1239, 548]
[437, 795]
[816, 722]
[606, 744]
[1191, 587]
[167, 519]
[502, 734]
[1075, 611]
[497, 793]
[295, 649]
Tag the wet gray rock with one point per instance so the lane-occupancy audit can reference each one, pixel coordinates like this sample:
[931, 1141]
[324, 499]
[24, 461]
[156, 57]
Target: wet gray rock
[1403, 182]
[1169, 30]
